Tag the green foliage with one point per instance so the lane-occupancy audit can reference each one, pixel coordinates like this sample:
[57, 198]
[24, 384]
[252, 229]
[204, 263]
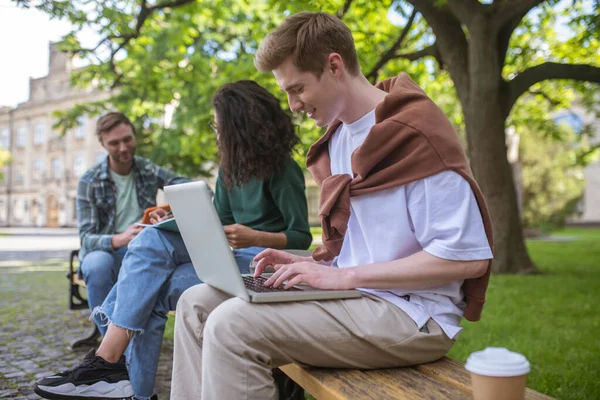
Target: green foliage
[5, 158]
[183, 54]
[551, 318]
[553, 33]
[552, 180]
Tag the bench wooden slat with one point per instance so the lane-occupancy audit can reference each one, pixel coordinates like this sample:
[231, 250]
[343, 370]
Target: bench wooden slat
[334, 384]
[442, 379]
[531, 394]
[414, 385]
[454, 373]
[447, 370]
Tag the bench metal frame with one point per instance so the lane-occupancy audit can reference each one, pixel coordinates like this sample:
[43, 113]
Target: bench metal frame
[78, 302]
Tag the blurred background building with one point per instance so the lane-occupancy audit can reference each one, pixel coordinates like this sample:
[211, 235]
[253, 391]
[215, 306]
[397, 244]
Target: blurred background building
[39, 187]
[588, 209]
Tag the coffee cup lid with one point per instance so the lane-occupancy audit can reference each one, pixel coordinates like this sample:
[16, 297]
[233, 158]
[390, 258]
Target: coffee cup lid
[497, 361]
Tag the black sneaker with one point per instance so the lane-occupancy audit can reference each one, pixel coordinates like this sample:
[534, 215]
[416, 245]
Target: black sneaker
[95, 378]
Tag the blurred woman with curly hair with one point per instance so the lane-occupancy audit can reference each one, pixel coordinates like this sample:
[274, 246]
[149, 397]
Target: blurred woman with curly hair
[258, 181]
[260, 199]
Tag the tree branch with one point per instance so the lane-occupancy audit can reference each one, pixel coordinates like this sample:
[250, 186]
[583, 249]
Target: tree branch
[545, 95]
[342, 11]
[427, 51]
[465, 9]
[123, 40]
[582, 156]
[509, 11]
[145, 12]
[391, 53]
[504, 35]
[451, 43]
[171, 4]
[505, 17]
[522, 82]
[90, 50]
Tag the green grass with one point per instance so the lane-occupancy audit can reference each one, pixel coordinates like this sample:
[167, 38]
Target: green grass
[552, 318]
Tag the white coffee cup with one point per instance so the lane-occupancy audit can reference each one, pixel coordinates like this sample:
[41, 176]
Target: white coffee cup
[498, 374]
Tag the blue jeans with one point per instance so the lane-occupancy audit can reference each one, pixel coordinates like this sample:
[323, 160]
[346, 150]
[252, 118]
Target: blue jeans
[100, 269]
[156, 270]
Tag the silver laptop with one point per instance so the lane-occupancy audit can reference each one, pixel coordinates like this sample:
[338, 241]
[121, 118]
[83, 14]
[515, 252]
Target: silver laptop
[212, 257]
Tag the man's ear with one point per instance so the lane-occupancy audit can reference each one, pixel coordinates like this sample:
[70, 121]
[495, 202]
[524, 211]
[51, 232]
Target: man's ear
[335, 64]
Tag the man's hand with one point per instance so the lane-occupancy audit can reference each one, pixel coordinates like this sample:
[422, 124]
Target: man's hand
[313, 274]
[240, 236]
[160, 214]
[274, 257]
[122, 239]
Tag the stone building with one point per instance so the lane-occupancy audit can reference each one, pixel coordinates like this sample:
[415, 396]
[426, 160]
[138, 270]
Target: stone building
[39, 187]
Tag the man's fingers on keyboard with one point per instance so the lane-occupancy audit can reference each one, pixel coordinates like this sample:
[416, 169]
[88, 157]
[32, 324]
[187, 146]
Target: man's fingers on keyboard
[298, 279]
[261, 266]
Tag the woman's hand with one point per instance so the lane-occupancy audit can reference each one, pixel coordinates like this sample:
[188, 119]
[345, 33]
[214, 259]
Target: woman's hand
[240, 236]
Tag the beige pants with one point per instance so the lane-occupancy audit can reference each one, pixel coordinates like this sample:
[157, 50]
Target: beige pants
[225, 348]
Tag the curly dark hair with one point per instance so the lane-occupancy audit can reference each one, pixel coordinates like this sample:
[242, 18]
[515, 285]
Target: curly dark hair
[256, 136]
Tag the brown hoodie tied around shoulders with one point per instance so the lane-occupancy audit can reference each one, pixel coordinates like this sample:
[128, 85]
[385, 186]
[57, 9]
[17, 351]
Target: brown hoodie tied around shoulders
[411, 140]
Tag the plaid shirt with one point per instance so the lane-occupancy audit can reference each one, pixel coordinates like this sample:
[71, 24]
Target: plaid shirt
[97, 200]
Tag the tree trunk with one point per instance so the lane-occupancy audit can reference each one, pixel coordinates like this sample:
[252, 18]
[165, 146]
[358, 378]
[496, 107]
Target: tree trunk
[485, 126]
[487, 154]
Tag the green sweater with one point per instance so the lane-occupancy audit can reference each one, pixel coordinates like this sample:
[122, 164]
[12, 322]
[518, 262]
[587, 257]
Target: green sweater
[273, 205]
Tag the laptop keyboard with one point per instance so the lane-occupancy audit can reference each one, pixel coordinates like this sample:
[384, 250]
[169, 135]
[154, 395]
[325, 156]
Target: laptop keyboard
[258, 285]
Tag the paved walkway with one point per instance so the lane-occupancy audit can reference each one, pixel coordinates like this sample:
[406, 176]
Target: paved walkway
[36, 244]
[35, 326]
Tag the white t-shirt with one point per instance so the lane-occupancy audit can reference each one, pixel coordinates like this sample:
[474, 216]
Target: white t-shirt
[438, 214]
[128, 208]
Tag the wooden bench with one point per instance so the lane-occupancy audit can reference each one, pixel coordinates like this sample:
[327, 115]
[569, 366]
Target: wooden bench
[442, 379]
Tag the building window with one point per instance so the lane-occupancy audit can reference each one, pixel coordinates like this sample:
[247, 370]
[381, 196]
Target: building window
[38, 135]
[56, 168]
[80, 129]
[19, 177]
[21, 137]
[78, 166]
[17, 212]
[38, 169]
[5, 139]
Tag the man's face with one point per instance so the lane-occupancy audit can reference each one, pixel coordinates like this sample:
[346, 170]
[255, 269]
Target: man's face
[120, 144]
[320, 98]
